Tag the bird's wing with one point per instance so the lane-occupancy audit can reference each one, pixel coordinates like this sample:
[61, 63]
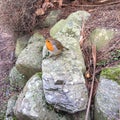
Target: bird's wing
[58, 45]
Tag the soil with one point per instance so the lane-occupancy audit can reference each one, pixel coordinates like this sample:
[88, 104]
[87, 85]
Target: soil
[101, 16]
[7, 46]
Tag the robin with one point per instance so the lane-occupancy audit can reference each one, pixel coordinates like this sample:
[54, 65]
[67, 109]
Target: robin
[55, 47]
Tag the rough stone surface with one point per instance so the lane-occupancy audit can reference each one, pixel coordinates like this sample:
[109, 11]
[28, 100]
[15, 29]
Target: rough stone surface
[57, 27]
[31, 104]
[17, 80]
[63, 81]
[30, 60]
[52, 18]
[10, 106]
[69, 27]
[36, 37]
[77, 116]
[21, 44]
[101, 37]
[107, 99]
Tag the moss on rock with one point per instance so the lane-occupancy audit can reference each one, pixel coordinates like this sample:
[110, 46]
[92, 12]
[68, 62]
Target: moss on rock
[112, 73]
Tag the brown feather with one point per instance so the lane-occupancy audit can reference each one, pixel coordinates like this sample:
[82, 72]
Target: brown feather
[58, 44]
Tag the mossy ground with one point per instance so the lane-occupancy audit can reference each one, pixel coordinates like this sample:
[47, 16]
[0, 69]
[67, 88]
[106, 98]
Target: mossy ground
[112, 73]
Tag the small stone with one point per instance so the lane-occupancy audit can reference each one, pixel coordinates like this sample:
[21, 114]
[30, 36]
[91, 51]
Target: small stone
[101, 37]
[10, 106]
[21, 44]
[17, 80]
[52, 18]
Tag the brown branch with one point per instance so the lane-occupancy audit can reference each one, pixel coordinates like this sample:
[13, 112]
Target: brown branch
[3, 49]
[82, 34]
[111, 3]
[93, 79]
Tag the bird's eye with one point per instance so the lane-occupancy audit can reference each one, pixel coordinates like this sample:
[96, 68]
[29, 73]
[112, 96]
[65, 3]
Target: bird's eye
[48, 41]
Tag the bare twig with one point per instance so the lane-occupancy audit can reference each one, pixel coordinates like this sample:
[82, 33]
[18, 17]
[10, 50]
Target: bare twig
[3, 49]
[111, 3]
[93, 79]
[82, 32]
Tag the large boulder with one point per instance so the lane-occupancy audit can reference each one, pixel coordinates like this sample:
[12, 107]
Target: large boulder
[101, 37]
[31, 104]
[30, 60]
[107, 99]
[63, 80]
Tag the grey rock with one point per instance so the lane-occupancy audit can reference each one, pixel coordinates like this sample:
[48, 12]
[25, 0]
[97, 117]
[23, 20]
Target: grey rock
[36, 37]
[77, 116]
[21, 44]
[10, 106]
[107, 99]
[30, 60]
[57, 27]
[101, 37]
[52, 18]
[31, 103]
[17, 80]
[71, 26]
[63, 80]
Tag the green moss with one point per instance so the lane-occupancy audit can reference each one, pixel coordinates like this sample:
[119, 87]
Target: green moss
[49, 106]
[115, 55]
[112, 73]
[14, 118]
[39, 74]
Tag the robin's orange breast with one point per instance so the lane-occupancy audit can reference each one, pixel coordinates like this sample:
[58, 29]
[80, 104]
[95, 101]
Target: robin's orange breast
[49, 45]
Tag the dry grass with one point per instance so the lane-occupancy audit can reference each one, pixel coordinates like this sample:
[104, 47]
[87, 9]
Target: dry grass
[19, 15]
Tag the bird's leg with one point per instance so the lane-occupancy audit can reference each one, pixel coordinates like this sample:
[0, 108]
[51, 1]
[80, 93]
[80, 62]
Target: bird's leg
[52, 55]
[46, 56]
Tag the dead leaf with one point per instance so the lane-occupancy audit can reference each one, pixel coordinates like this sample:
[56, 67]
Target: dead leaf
[87, 74]
[60, 3]
[47, 5]
[40, 11]
[81, 40]
[82, 33]
[5, 35]
[94, 55]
